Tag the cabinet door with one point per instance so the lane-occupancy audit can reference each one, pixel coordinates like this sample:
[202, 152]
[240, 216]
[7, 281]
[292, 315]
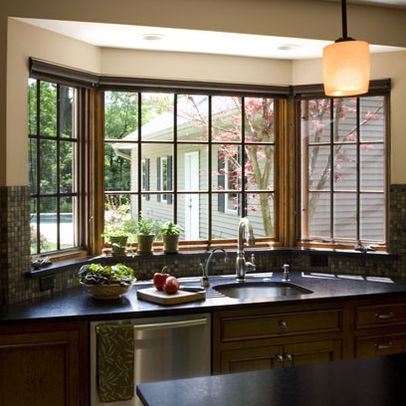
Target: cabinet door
[42, 368]
[384, 344]
[311, 352]
[251, 359]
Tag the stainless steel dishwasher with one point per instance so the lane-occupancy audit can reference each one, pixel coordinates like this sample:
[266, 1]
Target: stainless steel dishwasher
[164, 348]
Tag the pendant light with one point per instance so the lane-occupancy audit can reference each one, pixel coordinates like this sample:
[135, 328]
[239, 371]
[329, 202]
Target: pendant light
[346, 64]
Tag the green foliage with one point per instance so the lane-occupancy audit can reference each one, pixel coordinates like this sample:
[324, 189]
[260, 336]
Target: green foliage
[170, 228]
[147, 226]
[97, 274]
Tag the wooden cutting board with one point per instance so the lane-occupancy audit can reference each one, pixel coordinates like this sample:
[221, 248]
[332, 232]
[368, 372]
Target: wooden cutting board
[181, 296]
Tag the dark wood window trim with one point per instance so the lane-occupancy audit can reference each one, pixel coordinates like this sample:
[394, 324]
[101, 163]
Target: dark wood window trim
[377, 88]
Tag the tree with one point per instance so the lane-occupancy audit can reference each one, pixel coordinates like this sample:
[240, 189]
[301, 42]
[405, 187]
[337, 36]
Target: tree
[256, 167]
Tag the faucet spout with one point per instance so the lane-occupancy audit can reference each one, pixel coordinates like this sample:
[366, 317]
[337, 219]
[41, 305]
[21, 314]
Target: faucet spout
[241, 265]
[206, 268]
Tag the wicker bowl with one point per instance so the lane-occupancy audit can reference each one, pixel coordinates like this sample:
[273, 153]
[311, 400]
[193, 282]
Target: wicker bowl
[108, 292]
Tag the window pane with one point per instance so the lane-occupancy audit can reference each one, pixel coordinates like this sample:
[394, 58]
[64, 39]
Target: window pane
[48, 171]
[259, 167]
[120, 215]
[372, 119]
[260, 209]
[193, 216]
[48, 224]
[319, 168]
[345, 120]
[117, 170]
[192, 117]
[259, 119]
[316, 120]
[227, 167]
[345, 167]
[226, 120]
[67, 112]
[67, 167]
[68, 222]
[224, 223]
[318, 212]
[48, 111]
[192, 167]
[373, 217]
[345, 215]
[121, 116]
[372, 167]
[157, 116]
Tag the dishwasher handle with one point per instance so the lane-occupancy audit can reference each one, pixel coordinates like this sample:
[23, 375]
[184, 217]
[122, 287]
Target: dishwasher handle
[166, 325]
[171, 324]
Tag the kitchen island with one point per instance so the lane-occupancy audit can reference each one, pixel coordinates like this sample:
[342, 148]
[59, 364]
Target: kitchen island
[377, 381]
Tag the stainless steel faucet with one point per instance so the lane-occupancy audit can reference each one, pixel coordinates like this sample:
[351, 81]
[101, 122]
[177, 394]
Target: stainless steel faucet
[285, 276]
[241, 265]
[206, 268]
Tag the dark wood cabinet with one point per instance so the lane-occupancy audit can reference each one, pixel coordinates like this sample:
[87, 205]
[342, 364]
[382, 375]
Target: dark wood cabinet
[284, 335]
[276, 336]
[44, 364]
[379, 327]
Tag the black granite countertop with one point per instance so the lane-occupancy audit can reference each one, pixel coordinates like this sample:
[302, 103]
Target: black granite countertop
[370, 381]
[76, 303]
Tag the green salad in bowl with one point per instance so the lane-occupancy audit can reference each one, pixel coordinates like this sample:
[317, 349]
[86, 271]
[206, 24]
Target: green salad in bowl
[106, 281]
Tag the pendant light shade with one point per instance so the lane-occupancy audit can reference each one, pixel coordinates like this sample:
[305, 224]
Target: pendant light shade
[346, 65]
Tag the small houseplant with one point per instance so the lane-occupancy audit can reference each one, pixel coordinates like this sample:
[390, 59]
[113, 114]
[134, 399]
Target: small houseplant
[116, 235]
[146, 232]
[170, 236]
[106, 282]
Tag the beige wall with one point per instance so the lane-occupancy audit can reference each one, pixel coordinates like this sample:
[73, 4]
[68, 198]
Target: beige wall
[309, 19]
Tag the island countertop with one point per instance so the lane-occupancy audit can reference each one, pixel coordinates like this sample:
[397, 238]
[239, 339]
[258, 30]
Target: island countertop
[377, 381]
[76, 303]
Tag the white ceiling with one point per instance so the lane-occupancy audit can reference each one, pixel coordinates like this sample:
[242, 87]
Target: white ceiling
[209, 42]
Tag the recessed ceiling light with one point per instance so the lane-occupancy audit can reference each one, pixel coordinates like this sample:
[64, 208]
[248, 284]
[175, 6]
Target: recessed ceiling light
[288, 47]
[152, 37]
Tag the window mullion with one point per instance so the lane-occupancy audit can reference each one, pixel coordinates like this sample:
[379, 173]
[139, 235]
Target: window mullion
[174, 169]
[358, 166]
[333, 127]
[243, 210]
[210, 167]
[58, 167]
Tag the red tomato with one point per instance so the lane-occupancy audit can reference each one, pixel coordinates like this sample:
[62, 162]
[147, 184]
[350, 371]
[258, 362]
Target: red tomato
[159, 280]
[171, 285]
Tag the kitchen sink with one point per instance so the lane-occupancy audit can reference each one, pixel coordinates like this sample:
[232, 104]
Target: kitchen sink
[257, 290]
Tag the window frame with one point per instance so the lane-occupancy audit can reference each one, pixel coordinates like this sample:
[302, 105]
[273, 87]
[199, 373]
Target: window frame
[287, 154]
[315, 92]
[279, 98]
[84, 84]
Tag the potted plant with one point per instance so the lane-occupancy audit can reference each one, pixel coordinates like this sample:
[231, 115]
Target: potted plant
[146, 232]
[170, 236]
[106, 282]
[116, 235]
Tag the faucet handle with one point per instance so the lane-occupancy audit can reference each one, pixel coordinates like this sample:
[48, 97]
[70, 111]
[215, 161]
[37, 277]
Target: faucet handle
[285, 277]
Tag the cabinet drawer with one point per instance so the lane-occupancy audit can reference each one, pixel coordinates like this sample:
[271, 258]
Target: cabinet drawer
[380, 345]
[257, 326]
[377, 315]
